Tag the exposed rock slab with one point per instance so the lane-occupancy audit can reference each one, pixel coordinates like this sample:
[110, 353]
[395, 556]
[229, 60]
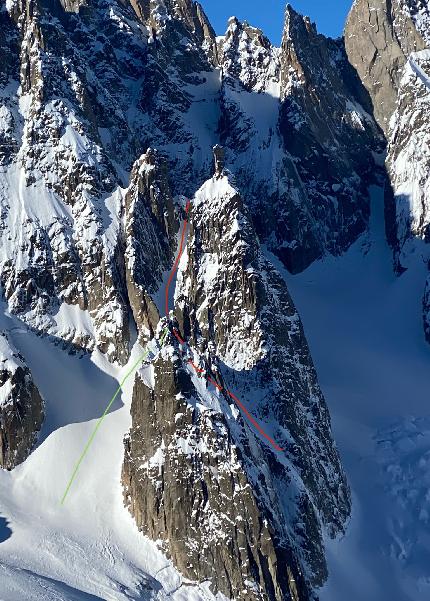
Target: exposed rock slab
[379, 37]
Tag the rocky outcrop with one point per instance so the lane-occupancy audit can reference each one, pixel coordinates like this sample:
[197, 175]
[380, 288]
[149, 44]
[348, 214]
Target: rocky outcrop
[327, 127]
[185, 485]
[21, 407]
[247, 55]
[379, 37]
[150, 228]
[236, 311]
[168, 16]
[243, 492]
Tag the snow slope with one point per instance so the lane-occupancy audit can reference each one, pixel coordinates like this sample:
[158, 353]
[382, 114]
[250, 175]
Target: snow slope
[89, 548]
[364, 328]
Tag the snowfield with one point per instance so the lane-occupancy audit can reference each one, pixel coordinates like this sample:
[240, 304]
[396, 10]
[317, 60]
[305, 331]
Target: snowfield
[89, 548]
[364, 328]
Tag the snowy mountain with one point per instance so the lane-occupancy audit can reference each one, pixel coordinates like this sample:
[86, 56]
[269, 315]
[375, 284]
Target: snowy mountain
[159, 186]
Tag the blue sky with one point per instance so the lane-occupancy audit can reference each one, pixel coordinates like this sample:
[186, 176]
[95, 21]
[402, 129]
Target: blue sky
[329, 15]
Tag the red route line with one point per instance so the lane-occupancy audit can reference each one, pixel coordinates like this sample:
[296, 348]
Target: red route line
[181, 341]
[175, 266]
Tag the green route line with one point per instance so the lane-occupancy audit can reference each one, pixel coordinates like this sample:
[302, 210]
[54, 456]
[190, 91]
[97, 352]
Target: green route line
[100, 420]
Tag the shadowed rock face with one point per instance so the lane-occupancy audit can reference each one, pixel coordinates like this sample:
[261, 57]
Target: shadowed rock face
[150, 226]
[317, 139]
[326, 125]
[21, 407]
[379, 36]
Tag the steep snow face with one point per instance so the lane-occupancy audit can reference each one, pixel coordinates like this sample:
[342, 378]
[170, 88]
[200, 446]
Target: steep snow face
[364, 330]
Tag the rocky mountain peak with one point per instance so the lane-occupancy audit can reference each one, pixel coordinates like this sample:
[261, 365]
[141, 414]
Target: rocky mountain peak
[73, 5]
[247, 55]
[165, 17]
[293, 24]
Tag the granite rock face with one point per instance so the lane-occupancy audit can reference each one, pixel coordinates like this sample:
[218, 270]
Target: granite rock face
[327, 127]
[21, 407]
[150, 225]
[241, 328]
[185, 485]
[379, 37]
